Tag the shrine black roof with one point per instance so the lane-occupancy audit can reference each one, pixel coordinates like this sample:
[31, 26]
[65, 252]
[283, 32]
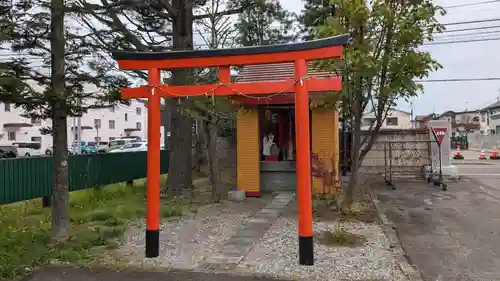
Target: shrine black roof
[340, 40]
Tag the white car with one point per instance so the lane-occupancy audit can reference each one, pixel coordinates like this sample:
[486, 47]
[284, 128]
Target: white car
[49, 151]
[103, 146]
[28, 149]
[132, 147]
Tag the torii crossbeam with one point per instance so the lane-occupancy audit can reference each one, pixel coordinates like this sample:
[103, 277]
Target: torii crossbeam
[299, 53]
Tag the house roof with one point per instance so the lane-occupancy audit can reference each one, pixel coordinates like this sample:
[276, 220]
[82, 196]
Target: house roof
[493, 105]
[402, 111]
[422, 117]
[277, 71]
[453, 113]
[392, 109]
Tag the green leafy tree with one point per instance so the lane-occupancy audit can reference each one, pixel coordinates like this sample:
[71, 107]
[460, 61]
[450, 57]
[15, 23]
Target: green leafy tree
[382, 62]
[55, 77]
[264, 22]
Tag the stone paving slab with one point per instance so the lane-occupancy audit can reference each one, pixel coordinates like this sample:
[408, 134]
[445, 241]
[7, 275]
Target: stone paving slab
[238, 246]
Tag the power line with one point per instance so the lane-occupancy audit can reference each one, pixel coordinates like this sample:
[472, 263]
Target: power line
[491, 32]
[471, 28]
[472, 4]
[461, 41]
[459, 80]
[472, 21]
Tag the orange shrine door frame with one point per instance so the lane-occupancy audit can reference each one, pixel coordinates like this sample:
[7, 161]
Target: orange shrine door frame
[298, 53]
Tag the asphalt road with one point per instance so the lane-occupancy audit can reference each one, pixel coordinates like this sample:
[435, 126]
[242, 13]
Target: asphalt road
[451, 235]
[80, 274]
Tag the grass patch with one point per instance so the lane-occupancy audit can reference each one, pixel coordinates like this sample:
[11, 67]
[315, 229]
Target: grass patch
[342, 238]
[325, 207]
[98, 219]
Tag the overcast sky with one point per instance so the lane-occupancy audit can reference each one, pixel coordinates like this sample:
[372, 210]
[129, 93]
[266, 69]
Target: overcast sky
[459, 60]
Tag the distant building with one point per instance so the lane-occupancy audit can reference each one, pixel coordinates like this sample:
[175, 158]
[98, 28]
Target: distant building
[491, 116]
[421, 121]
[464, 122]
[101, 124]
[396, 119]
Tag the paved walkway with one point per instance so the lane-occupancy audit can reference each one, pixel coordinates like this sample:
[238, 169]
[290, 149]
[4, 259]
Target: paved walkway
[449, 235]
[238, 246]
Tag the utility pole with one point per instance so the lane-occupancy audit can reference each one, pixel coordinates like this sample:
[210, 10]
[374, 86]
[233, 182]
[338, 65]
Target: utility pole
[60, 194]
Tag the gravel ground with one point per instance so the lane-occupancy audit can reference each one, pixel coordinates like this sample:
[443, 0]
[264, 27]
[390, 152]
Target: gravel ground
[276, 255]
[185, 243]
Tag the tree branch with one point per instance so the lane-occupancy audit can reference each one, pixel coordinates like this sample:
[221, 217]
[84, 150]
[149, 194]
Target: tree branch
[172, 12]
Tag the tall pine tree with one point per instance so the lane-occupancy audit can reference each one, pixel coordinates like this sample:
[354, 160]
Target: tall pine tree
[315, 14]
[265, 22]
[55, 77]
[156, 25]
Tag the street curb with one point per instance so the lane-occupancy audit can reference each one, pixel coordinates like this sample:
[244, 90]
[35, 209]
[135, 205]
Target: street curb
[390, 232]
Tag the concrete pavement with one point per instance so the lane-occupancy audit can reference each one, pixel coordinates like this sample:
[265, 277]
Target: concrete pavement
[451, 235]
[81, 274]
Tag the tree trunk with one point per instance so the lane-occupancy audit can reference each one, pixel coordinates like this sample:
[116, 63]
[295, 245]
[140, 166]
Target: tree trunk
[213, 161]
[355, 148]
[206, 137]
[180, 168]
[60, 194]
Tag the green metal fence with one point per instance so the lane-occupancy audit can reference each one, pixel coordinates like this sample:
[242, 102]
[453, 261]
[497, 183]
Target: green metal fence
[28, 178]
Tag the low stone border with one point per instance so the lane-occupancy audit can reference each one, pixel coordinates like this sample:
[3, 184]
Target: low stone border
[390, 231]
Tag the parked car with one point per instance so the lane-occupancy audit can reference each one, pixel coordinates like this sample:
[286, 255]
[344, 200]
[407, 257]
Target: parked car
[87, 147]
[49, 151]
[103, 146]
[8, 151]
[118, 144]
[133, 147]
[28, 148]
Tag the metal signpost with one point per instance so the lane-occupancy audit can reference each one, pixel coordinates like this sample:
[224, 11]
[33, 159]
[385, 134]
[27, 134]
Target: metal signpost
[439, 133]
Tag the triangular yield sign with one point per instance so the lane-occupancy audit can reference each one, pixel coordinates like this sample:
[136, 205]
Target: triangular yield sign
[439, 133]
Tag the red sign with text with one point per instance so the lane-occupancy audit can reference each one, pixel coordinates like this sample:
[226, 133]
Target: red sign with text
[439, 134]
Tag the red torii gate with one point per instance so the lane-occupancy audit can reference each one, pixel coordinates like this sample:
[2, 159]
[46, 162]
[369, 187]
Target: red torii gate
[299, 53]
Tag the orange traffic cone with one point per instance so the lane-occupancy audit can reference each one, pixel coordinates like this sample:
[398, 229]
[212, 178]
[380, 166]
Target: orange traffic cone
[482, 156]
[494, 155]
[458, 155]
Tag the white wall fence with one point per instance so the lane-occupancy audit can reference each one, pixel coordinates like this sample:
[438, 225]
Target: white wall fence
[484, 142]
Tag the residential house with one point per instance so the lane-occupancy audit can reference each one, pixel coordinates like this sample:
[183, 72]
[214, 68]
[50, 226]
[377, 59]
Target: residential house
[421, 121]
[101, 124]
[396, 119]
[491, 116]
[463, 122]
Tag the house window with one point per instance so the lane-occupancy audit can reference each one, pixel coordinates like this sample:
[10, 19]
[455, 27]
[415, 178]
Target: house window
[392, 121]
[111, 138]
[138, 110]
[36, 121]
[7, 107]
[97, 123]
[126, 117]
[12, 136]
[111, 124]
[368, 121]
[138, 125]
